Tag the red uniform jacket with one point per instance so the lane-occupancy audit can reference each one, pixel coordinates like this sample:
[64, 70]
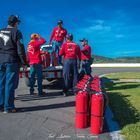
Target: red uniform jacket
[86, 53]
[58, 34]
[34, 51]
[70, 50]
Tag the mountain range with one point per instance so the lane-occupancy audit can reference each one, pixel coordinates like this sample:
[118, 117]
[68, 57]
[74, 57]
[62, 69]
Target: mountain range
[102, 59]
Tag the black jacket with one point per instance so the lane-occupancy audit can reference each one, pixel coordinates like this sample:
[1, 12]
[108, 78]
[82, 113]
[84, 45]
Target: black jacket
[11, 46]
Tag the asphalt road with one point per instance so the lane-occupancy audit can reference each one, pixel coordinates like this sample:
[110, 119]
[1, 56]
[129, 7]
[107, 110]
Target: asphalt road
[50, 117]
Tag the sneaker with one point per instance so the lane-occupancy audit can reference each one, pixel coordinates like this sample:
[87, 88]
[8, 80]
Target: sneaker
[10, 111]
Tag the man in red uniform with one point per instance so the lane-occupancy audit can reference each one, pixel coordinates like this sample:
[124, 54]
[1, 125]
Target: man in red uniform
[58, 35]
[85, 58]
[35, 62]
[70, 51]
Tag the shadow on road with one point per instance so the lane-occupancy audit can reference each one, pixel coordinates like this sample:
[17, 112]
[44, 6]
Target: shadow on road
[49, 95]
[57, 84]
[47, 107]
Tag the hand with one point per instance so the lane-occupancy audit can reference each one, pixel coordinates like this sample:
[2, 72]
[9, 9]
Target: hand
[79, 65]
[49, 43]
[36, 36]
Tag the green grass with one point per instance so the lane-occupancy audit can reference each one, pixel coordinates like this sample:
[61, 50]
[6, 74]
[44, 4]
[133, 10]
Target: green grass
[125, 75]
[124, 100]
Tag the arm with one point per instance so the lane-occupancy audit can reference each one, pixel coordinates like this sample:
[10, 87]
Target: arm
[20, 48]
[86, 51]
[52, 35]
[41, 41]
[65, 34]
[79, 53]
[79, 56]
[62, 50]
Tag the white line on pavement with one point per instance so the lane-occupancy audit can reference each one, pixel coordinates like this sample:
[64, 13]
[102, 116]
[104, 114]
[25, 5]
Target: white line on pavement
[116, 65]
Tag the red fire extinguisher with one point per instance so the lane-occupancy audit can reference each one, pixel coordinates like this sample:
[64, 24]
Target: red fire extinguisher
[20, 74]
[26, 74]
[81, 109]
[97, 107]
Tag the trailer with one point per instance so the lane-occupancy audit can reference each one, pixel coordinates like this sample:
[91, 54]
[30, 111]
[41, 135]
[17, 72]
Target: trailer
[50, 72]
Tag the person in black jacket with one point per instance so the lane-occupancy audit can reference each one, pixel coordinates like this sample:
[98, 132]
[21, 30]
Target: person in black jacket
[12, 55]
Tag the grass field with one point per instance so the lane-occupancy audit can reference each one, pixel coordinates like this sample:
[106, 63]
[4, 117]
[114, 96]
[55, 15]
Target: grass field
[125, 75]
[124, 100]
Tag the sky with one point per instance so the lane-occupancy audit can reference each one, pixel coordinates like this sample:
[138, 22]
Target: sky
[111, 26]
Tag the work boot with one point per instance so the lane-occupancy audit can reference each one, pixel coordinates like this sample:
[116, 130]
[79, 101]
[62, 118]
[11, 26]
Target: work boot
[31, 92]
[10, 111]
[42, 94]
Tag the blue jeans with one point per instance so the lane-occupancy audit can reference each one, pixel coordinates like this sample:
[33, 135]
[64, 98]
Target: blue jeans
[36, 69]
[70, 73]
[56, 48]
[9, 79]
[85, 68]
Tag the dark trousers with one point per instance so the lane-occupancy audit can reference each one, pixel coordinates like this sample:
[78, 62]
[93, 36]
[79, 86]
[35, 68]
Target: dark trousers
[85, 68]
[56, 48]
[36, 69]
[70, 73]
[9, 79]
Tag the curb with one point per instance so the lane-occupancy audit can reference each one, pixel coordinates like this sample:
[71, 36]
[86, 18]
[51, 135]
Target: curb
[126, 80]
[113, 126]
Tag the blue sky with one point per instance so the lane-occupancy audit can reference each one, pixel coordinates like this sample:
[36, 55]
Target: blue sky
[112, 26]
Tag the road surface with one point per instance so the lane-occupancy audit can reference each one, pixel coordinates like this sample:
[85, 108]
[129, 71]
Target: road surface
[50, 117]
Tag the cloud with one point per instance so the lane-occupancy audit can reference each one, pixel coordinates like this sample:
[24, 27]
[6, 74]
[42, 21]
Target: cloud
[119, 26]
[116, 36]
[97, 25]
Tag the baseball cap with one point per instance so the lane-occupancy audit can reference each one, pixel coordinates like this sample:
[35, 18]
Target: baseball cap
[84, 39]
[60, 22]
[69, 36]
[13, 19]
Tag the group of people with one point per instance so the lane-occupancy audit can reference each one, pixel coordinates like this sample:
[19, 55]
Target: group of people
[12, 56]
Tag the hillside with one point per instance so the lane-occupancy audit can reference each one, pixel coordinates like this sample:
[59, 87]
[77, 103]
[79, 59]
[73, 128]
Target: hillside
[102, 59]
